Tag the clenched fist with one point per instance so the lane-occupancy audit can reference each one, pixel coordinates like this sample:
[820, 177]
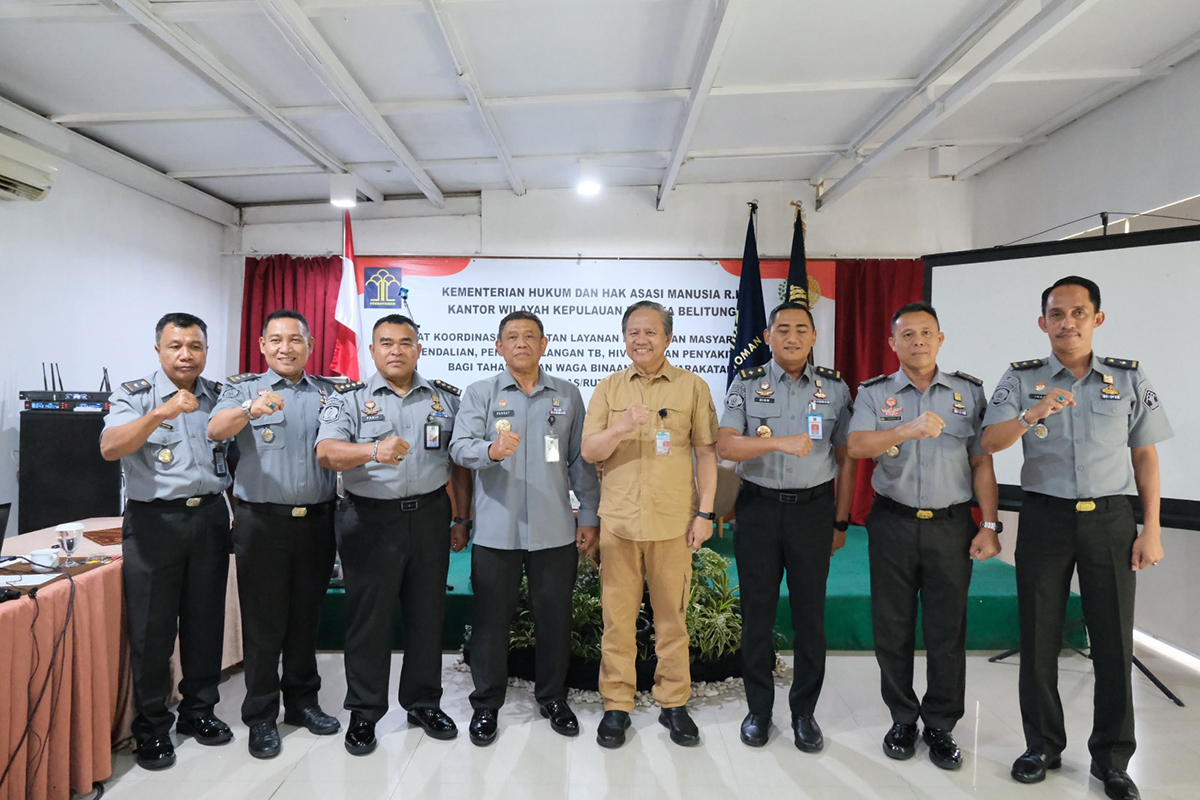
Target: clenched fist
[392, 450]
[927, 426]
[504, 446]
[634, 417]
[264, 404]
[799, 445]
[182, 402]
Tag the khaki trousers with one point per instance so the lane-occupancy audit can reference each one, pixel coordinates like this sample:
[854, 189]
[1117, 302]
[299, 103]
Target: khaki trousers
[666, 566]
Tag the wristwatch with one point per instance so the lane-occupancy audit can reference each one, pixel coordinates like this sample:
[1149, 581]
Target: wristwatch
[841, 525]
[246, 408]
[708, 515]
[466, 522]
[998, 527]
[1021, 419]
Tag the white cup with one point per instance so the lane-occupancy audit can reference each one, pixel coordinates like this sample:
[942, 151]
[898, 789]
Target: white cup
[44, 560]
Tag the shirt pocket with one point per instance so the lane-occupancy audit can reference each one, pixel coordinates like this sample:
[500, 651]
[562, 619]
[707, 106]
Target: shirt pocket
[762, 408]
[1110, 421]
[165, 447]
[375, 430]
[677, 422]
[267, 432]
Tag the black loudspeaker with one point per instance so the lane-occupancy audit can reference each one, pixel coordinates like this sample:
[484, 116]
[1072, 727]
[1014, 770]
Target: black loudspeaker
[62, 477]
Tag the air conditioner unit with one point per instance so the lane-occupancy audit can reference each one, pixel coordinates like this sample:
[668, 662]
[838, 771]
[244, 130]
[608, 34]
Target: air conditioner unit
[26, 173]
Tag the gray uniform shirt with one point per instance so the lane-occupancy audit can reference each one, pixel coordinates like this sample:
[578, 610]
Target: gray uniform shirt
[1086, 451]
[782, 404]
[374, 412]
[176, 461]
[521, 502]
[278, 463]
[926, 473]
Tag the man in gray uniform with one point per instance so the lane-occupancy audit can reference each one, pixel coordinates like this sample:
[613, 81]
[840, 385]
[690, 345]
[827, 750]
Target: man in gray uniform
[174, 538]
[922, 426]
[282, 530]
[786, 424]
[520, 431]
[1081, 420]
[390, 437]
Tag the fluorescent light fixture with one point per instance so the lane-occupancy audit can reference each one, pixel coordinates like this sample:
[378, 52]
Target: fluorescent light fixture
[589, 178]
[342, 192]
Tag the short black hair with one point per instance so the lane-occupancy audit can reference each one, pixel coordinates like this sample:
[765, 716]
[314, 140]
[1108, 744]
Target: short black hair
[287, 313]
[794, 306]
[668, 318]
[1074, 280]
[396, 319]
[179, 319]
[516, 315]
[914, 308]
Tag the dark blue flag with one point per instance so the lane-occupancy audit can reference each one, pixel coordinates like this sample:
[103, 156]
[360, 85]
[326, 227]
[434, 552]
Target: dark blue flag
[796, 288]
[748, 348]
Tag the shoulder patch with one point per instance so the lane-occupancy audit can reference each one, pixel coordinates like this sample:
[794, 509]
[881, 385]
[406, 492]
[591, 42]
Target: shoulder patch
[1123, 363]
[875, 380]
[752, 372]
[137, 387]
[446, 387]
[348, 386]
[1032, 363]
[826, 372]
[245, 376]
[969, 378]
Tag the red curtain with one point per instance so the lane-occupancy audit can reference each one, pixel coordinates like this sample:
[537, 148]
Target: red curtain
[307, 285]
[868, 292]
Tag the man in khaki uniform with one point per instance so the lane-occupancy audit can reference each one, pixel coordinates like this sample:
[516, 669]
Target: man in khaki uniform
[642, 426]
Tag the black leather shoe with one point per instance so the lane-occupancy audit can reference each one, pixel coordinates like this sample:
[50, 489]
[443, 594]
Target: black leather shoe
[900, 742]
[1031, 766]
[434, 721]
[155, 753]
[360, 736]
[482, 729]
[1117, 783]
[755, 728]
[943, 750]
[313, 718]
[677, 720]
[562, 719]
[808, 734]
[206, 729]
[610, 732]
[264, 740]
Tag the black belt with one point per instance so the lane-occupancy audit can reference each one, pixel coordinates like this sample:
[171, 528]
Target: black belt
[183, 502]
[399, 503]
[1082, 504]
[282, 510]
[882, 501]
[789, 496]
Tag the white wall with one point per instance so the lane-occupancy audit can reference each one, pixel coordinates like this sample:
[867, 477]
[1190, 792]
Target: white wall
[84, 276]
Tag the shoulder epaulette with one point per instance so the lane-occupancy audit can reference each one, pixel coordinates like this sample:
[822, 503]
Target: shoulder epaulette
[969, 378]
[1123, 363]
[752, 372]
[245, 376]
[1030, 364]
[137, 387]
[218, 386]
[447, 387]
[832, 374]
[874, 380]
[348, 386]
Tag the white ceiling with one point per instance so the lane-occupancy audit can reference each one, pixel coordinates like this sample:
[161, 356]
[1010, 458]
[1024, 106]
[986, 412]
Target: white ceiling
[256, 101]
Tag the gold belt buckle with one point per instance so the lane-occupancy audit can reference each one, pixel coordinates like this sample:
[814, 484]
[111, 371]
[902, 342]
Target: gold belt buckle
[192, 502]
[924, 513]
[299, 511]
[1085, 505]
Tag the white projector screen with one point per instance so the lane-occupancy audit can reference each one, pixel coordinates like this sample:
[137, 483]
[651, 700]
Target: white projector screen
[988, 303]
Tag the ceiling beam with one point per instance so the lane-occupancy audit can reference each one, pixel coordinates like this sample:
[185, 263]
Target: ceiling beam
[720, 28]
[97, 158]
[470, 84]
[1054, 16]
[312, 48]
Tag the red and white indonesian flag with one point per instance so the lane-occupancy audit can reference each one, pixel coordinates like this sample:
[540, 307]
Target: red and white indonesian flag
[350, 351]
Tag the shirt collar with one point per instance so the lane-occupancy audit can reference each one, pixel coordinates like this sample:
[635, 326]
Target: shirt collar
[505, 379]
[378, 384]
[777, 374]
[164, 388]
[272, 377]
[668, 372]
[901, 379]
[1056, 366]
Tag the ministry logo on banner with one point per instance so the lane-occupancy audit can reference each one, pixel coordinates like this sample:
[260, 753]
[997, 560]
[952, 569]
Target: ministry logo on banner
[381, 287]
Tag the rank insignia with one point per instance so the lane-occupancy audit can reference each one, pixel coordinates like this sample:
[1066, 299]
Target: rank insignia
[370, 408]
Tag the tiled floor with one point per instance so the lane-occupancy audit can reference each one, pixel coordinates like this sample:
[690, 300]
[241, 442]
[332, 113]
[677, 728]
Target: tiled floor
[530, 761]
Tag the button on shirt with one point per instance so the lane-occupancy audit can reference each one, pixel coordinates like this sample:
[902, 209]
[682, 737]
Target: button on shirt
[644, 496]
[188, 471]
[928, 473]
[521, 502]
[1086, 451]
[784, 407]
[278, 463]
[422, 470]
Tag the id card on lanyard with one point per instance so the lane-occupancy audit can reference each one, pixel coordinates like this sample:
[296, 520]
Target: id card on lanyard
[662, 437]
[816, 424]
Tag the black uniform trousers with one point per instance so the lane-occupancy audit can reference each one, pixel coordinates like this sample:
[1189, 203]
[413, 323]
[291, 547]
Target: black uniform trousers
[388, 554]
[283, 569]
[1055, 540]
[773, 536]
[175, 569]
[927, 560]
[495, 582]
